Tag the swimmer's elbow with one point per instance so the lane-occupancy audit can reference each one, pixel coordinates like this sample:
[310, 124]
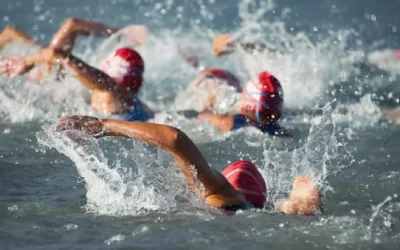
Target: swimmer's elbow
[178, 140]
[69, 23]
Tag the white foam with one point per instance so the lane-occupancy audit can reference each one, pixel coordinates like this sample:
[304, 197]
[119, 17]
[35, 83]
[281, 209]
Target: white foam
[117, 189]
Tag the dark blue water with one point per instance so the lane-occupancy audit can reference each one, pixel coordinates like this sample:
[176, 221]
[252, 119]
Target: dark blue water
[333, 56]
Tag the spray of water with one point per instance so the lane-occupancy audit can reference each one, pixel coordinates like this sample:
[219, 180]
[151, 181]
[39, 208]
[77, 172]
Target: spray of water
[126, 182]
[306, 68]
[322, 154]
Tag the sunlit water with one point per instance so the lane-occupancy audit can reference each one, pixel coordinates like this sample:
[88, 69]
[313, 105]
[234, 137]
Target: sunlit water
[60, 193]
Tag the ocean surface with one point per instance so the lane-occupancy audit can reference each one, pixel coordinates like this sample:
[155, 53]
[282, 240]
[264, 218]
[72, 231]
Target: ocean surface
[336, 63]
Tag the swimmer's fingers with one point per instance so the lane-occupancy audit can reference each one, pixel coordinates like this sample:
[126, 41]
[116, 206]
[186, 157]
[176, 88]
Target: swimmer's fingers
[12, 66]
[5, 64]
[90, 125]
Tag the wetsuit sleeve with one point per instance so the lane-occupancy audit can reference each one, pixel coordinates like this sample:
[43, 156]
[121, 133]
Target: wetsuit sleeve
[239, 121]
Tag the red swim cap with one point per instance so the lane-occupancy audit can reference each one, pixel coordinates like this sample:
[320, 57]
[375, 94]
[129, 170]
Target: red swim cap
[230, 78]
[264, 96]
[126, 67]
[246, 178]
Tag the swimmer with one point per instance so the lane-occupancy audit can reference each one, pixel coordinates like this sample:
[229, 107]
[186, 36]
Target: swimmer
[208, 86]
[64, 39]
[113, 89]
[224, 44]
[239, 186]
[259, 104]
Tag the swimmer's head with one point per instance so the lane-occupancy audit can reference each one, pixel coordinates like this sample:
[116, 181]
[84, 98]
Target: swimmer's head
[219, 74]
[246, 178]
[126, 67]
[262, 99]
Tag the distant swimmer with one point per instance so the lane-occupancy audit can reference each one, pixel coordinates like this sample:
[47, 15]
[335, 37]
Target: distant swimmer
[224, 44]
[240, 186]
[64, 39]
[113, 91]
[211, 84]
[259, 104]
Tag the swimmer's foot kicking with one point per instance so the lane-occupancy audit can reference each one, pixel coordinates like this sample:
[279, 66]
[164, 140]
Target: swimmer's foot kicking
[238, 187]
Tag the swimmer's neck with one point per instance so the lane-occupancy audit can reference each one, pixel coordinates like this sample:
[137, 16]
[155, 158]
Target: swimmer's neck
[108, 102]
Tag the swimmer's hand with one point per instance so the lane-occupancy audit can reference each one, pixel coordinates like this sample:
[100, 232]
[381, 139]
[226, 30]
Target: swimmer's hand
[221, 43]
[38, 74]
[13, 66]
[136, 34]
[90, 125]
[305, 198]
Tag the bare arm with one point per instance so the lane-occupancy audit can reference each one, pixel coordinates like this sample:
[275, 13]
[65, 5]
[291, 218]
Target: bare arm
[218, 191]
[223, 123]
[65, 37]
[10, 34]
[91, 77]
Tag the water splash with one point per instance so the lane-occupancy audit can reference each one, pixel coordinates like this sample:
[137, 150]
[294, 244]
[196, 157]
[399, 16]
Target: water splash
[306, 67]
[385, 60]
[322, 154]
[383, 211]
[112, 187]
[360, 115]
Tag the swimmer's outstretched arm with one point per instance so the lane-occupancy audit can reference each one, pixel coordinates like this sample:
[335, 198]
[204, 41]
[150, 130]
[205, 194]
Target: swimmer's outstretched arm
[225, 123]
[91, 77]
[217, 190]
[10, 34]
[224, 45]
[65, 37]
